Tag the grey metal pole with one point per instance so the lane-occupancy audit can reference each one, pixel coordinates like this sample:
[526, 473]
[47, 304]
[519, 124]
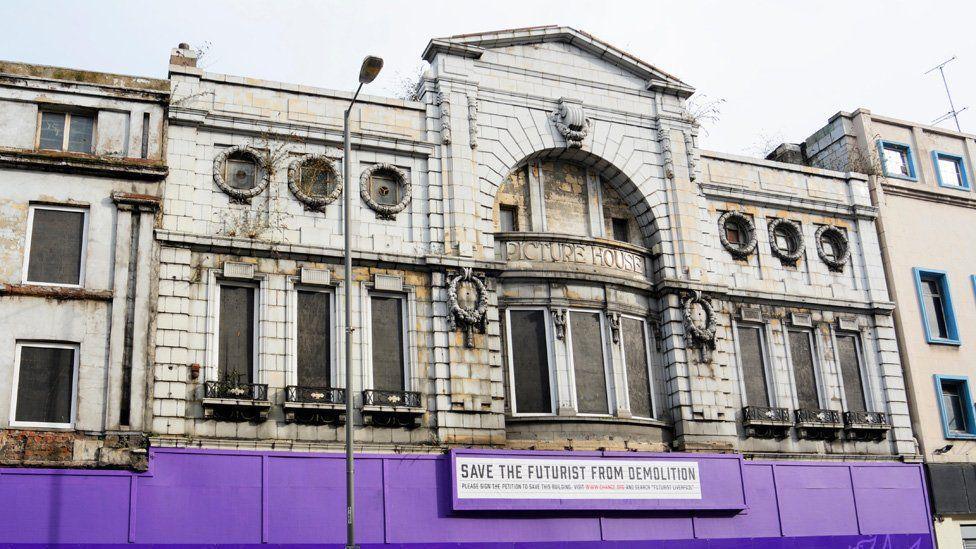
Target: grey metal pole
[347, 279]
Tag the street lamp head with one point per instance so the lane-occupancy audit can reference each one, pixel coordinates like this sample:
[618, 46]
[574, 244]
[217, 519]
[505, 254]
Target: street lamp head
[371, 67]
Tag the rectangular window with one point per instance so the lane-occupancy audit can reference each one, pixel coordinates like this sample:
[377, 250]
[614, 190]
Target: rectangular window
[56, 245]
[235, 353]
[144, 147]
[956, 406]
[621, 229]
[529, 360]
[936, 303]
[801, 356]
[314, 338]
[589, 366]
[950, 170]
[634, 337]
[896, 160]
[850, 370]
[507, 218]
[752, 359]
[968, 536]
[386, 314]
[44, 390]
[60, 131]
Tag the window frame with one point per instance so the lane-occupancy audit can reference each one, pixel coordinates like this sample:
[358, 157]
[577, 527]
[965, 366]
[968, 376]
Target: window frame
[942, 278]
[909, 156]
[30, 234]
[963, 382]
[650, 370]
[68, 113]
[867, 385]
[550, 359]
[76, 349]
[768, 370]
[403, 297]
[214, 369]
[815, 357]
[964, 184]
[571, 362]
[292, 373]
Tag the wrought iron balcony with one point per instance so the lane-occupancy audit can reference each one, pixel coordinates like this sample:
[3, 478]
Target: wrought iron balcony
[818, 424]
[235, 390]
[766, 421]
[866, 426]
[315, 395]
[395, 399]
[314, 405]
[392, 408]
[235, 401]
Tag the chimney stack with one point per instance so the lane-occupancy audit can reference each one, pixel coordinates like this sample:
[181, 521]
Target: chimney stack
[183, 56]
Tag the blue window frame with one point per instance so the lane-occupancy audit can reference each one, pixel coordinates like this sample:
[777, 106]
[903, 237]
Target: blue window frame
[951, 170]
[955, 406]
[935, 301]
[897, 160]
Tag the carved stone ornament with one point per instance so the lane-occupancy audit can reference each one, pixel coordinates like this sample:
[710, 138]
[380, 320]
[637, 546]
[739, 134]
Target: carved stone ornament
[747, 231]
[559, 323]
[614, 320]
[664, 136]
[467, 318]
[303, 190]
[792, 230]
[829, 235]
[443, 100]
[473, 120]
[385, 211]
[571, 121]
[700, 323]
[261, 176]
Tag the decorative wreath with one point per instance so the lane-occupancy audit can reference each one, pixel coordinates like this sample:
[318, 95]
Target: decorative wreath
[700, 335]
[244, 151]
[382, 211]
[313, 202]
[792, 227]
[744, 249]
[842, 247]
[463, 317]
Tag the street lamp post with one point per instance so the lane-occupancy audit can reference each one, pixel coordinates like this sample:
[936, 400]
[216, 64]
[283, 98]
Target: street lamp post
[367, 73]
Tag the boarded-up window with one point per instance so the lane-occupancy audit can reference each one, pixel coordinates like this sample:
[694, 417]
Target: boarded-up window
[850, 371]
[588, 364]
[530, 361]
[803, 370]
[56, 244]
[45, 385]
[621, 229]
[635, 356]
[314, 344]
[753, 365]
[235, 360]
[387, 318]
[507, 218]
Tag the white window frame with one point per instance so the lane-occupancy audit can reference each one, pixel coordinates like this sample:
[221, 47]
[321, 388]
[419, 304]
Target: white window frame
[815, 356]
[76, 349]
[550, 358]
[292, 373]
[651, 385]
[408, 381]
[213, 371]
[766, 358]
[67, 128]
[862, 364]
[30, 233]
[607, 369]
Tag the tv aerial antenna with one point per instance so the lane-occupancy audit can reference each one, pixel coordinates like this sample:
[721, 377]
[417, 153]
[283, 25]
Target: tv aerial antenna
[953, 113]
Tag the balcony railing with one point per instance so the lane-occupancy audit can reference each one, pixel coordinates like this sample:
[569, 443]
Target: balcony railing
[392, 408]
[766, 421]
[235, 390]
[315, 395]
[866, 426]
[396, 399]
[235, 401]
[818, 424]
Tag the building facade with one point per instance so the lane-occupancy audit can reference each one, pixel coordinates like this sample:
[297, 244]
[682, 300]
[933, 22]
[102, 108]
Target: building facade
[82, 158]
[550, 277]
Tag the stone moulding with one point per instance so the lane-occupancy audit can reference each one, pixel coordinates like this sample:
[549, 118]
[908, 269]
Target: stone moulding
[743, 250]
[793, 228]
[842, 247]
[571, 121]
[443, 100]
[263, 178]
[385, 211]
[700, 334]
[310, 201]
[467, 318]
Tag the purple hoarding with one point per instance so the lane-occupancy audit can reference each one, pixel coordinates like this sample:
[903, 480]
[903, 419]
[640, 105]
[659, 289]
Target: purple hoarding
[211, 497]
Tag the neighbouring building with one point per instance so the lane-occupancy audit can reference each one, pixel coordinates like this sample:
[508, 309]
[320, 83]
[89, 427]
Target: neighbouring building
[921, 183]
[570, 324]
[81, 162]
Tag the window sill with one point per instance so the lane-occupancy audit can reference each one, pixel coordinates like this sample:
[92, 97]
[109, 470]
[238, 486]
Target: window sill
[960, 436]
[551, 418]
[58, 292]
[87, 164]
[949, 342]
[955, 187]
[902, 177]
[42, 426]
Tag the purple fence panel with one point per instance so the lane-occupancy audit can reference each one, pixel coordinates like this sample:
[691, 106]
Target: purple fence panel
[675, 526]
[815, 499]
[761, 519]
[890, 499]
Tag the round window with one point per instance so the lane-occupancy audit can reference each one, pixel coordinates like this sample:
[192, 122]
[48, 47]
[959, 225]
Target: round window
[833, 247]
[385, 189]
[737, 233]
[786, 240]
[240, 173]
[314, 181]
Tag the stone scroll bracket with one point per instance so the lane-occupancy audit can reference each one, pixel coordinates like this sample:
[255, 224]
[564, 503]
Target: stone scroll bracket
[571, 121]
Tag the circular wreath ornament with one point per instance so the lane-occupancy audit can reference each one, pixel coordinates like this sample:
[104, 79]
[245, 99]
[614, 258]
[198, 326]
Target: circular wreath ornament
[372, 180]
[738, 234]
[233, 167]
[471, 317]
[700, 323]
[314, 181]
[786, 240]
[833, 247]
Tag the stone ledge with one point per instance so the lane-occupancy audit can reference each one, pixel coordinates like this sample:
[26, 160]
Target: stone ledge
[73, 163]
[59, 293]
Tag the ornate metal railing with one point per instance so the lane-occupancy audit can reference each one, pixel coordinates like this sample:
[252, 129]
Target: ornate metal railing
[866, 418]
[400, 399]
[240, 391]
[766, 414]
[315, 395]
[814, 416]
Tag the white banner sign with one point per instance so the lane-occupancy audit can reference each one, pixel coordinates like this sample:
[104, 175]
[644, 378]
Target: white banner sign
[517, 478]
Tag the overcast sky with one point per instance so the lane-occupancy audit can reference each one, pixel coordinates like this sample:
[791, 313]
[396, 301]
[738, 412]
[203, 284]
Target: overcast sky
[782, 68]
